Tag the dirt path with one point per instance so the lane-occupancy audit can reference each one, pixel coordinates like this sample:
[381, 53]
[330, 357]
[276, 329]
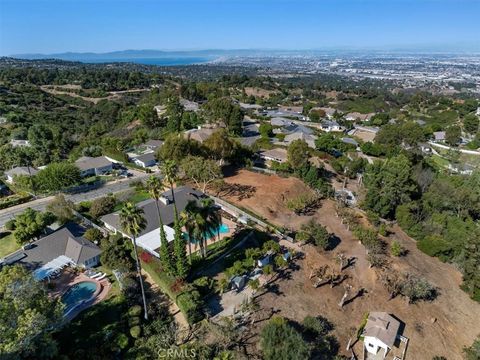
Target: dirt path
[113, 94]
[172, 307]
[442, 327]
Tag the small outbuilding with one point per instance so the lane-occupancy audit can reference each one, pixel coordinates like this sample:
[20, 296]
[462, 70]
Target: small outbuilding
[380, 333]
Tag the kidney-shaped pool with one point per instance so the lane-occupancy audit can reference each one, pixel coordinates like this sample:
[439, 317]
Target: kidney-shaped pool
[78, 293]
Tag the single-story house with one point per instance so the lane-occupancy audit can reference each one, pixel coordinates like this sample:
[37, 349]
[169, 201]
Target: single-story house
[356, 116]
[200, 134]
[308, 138]
[380, 332]
[279, 155]
[329, 112]
[153, 145]
[90, 166]
[18, 171]
[330, 126]
[149, 238]
[19, 143]
[65, 245]
[280, 121]
[439, 136]
[294, 109]
[189, 105]
[145, 160]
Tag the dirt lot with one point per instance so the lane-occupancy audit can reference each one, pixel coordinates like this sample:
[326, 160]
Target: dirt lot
[264, 93]
[442, 327]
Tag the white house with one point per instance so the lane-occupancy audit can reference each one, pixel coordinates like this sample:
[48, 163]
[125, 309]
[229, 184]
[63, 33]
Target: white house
[90, 166]
[19, 143]
[145, 160]
[439, 136]
[380, 333]
[331, 126]
[278, 155]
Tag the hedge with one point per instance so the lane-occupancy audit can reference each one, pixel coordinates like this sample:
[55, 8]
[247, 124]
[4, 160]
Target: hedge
[14, 200]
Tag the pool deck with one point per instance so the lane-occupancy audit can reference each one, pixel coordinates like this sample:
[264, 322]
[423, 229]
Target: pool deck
[70, 278]
[231, 229]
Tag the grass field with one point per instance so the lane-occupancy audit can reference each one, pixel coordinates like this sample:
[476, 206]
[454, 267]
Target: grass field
[7, 244]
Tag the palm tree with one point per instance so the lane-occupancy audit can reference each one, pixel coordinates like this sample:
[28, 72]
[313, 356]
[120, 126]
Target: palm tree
[169, 171]
[196, 224]
[132, 223]
[155, 189]
[187, 217]
[212, 216]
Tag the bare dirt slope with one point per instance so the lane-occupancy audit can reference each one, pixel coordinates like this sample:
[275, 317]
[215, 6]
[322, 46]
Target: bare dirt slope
[442, 327]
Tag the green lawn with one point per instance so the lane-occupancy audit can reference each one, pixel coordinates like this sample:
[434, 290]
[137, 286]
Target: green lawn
[7, 244]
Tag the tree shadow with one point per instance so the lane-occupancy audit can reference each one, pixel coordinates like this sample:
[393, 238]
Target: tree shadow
[359, 294]
[333, 242]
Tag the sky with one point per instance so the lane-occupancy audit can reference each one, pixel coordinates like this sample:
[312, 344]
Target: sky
[53, 26]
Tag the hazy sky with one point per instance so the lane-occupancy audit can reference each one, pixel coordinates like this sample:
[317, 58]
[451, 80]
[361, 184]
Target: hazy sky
[48, 26]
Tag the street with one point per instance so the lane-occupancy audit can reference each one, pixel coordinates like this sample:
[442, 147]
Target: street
[41, 204]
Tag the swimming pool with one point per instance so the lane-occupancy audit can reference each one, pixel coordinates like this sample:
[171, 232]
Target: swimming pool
[77, 293]
[222, 229]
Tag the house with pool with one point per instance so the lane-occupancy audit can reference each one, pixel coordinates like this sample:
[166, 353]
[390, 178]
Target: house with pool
[64, 247]
[149, 238]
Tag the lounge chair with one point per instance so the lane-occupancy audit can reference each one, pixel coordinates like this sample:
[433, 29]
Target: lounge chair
[101, 277]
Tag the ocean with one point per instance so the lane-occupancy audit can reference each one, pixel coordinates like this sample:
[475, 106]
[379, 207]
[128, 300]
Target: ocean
[166, 61]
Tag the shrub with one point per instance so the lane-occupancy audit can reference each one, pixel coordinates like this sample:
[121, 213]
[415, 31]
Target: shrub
[316, 326]
[93, 235]
[146, 257]
[279, 340]
[102, 206]
[122, 341]
[191, 305]
[10, 225]
[133, 321]
[135, 310]
[135, 331]
[396, 249]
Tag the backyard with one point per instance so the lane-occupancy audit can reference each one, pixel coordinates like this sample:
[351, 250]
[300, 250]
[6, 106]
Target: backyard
[7, 244]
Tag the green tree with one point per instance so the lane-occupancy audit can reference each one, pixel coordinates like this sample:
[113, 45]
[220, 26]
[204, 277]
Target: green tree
[102, 206]
[179, 250]
[453, 135]
[57, 176]
[155, 189]
[201, 171]
[266, 130]
[220, 146]
[30, 224]
[176, 147]
[388, 184]
[280, 341]
[132, 223]
[470, 123]
[61, 208]
[298, 154]
[27, 315]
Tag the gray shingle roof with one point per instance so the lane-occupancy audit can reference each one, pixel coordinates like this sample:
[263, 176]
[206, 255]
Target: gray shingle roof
[183, 195]
[21, 170]
[65, 241]
[382, 326]
[87, 163]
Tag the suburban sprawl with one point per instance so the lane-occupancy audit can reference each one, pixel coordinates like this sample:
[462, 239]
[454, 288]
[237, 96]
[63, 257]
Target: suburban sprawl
[261, 206]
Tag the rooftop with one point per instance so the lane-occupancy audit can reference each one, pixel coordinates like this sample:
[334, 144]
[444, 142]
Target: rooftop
[183, 195]
[87, 162]
[382, 326]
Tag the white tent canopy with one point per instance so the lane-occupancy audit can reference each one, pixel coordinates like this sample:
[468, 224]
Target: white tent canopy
[46, 270]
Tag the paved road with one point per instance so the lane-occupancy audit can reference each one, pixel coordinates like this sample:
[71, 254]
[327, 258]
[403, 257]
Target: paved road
[41, 204]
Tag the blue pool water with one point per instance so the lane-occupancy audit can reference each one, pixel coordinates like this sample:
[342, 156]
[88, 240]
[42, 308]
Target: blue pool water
[222, 229]
[77, 293]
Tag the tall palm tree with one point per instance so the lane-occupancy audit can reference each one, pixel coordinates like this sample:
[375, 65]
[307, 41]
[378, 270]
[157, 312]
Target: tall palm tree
[170, 173]
[155, 189]
[132, 223]
[196, 224]
[212, 216]
[188, 218]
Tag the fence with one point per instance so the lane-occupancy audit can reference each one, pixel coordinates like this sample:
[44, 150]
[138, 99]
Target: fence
[236, 212]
